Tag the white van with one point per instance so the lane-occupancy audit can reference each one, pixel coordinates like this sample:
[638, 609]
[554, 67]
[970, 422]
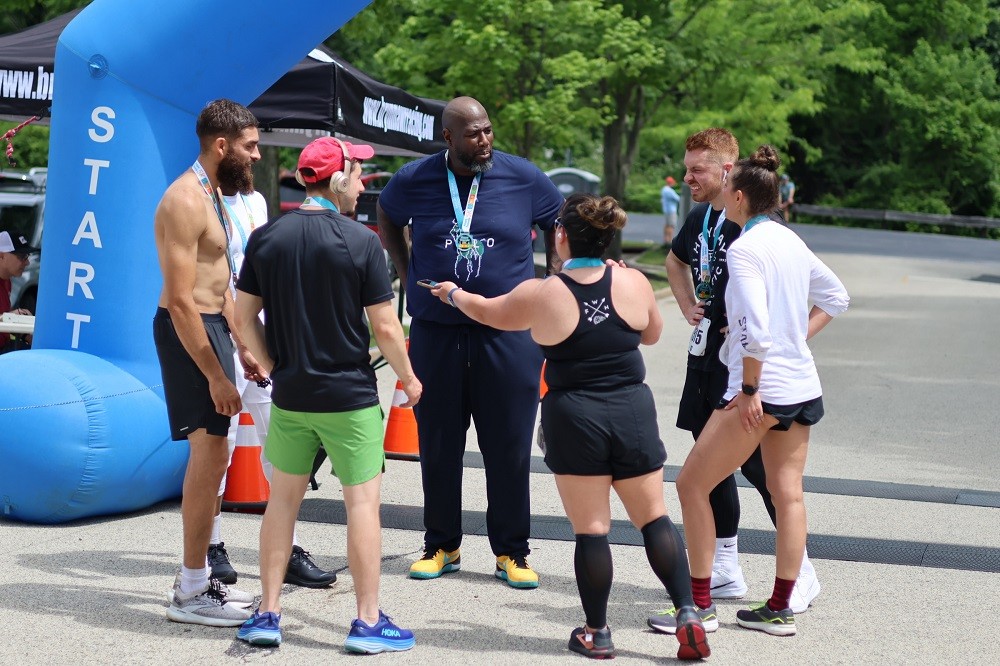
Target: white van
[22, 205]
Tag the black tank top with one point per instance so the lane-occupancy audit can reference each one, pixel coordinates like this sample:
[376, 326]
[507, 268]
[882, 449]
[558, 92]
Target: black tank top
[603, 351]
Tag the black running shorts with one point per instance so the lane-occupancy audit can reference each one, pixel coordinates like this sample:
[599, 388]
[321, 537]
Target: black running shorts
[805, 413]
[189, 402]
[602, 433]
[702, 391]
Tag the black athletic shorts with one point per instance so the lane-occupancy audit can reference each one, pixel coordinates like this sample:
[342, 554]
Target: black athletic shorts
[189, 402]
[702, 391]
[601, 433]
[806, 413]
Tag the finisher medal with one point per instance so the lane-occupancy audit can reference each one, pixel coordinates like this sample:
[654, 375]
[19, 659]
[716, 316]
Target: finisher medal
[703, 291]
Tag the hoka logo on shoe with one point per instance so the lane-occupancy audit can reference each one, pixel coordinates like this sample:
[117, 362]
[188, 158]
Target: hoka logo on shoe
[391, 633]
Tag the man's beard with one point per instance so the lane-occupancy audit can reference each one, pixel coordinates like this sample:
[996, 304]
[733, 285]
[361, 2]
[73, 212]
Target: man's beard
[235, 175]
[469, 161]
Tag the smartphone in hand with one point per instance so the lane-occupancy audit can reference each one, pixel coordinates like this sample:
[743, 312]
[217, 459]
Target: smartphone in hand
[428, 284]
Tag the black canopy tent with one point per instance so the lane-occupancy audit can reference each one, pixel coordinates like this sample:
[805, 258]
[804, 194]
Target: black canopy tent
[320, 95]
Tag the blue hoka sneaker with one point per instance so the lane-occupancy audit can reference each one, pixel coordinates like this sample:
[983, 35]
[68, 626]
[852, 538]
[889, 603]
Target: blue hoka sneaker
[383, 637]
[261, 629]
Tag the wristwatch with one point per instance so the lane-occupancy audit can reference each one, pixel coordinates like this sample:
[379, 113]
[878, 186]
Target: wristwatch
[749, 389]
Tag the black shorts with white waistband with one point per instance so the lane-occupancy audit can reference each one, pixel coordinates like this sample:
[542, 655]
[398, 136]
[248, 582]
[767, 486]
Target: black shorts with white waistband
[189, 401]
[804, 413]
[602, 433]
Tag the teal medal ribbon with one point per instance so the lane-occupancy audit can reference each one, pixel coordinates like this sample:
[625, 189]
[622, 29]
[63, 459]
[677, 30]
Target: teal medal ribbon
[464, 242]
[234, 218]
[754, 221]
[320, 201]
[585, 262]
[704, 289]
[206, 185]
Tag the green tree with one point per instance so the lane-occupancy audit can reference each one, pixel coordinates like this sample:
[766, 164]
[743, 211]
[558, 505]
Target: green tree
[921, 132]
[20, 14]
[527, 62]
[31, 146]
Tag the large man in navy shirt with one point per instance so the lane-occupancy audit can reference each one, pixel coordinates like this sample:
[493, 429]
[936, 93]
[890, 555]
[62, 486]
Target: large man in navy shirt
[470, 210]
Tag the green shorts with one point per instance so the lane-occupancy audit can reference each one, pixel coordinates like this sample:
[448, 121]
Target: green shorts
[353, 442]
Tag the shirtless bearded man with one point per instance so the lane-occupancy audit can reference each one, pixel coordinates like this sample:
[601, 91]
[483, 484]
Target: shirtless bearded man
[193, 343]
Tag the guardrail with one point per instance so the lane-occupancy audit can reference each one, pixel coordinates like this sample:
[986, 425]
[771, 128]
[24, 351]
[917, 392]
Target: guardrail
[973, 221]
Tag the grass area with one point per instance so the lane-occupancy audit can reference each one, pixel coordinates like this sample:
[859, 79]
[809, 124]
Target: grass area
[654, 256]
[657, 282]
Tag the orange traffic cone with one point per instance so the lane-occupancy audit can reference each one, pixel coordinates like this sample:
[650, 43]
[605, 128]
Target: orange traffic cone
[401, 441]
[543, 388]
[247, 489]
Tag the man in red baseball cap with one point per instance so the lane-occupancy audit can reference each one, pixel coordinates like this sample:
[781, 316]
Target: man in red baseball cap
[14, 252]
[313, 271]
[325, 158]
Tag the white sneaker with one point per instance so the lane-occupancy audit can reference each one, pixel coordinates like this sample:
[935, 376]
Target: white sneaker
[806, 589]
[728, 584]
[207, 606]
[237, 598]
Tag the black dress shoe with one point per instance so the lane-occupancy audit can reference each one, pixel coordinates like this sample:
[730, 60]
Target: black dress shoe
[218, 562]
[302, 571]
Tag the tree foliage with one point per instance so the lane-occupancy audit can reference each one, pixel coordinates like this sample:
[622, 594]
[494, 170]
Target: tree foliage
[920, 133]
[887, 104]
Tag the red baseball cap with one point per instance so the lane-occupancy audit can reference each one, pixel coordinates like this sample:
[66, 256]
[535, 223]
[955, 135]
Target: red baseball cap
[324, 156]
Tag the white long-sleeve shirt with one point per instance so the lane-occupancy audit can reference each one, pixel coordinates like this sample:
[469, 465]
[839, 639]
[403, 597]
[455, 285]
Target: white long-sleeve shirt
[774, 279]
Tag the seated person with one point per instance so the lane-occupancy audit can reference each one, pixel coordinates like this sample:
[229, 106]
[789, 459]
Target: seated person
[14, 253]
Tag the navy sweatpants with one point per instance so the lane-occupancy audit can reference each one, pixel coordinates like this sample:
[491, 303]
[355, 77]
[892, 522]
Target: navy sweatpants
[476, 372]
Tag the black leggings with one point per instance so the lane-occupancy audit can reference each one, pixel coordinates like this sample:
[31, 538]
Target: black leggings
[725, 499]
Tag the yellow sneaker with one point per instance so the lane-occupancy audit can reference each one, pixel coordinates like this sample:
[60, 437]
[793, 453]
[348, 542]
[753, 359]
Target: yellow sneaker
[516, 571]
[436, 562]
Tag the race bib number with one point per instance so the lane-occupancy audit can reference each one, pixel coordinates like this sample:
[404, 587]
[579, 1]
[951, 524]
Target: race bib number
[699, 338]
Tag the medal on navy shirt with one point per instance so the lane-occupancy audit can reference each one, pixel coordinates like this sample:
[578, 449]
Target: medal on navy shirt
[466, 245]
[465, 242]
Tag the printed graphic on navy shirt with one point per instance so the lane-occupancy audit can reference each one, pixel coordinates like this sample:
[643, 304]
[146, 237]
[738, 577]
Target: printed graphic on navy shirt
[495, 254]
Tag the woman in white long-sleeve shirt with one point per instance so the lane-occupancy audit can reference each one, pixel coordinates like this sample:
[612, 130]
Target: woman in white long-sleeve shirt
[774, 393]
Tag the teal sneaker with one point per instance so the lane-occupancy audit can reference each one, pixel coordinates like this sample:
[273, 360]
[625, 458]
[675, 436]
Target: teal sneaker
[261, 629]
[383, 637]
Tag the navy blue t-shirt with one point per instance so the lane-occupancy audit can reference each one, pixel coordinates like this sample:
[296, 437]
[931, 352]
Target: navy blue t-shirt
[315, 271]
[513, 195]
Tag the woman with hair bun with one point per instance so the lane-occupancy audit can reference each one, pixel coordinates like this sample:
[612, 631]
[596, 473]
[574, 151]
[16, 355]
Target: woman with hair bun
[598, 417]
[774, 394]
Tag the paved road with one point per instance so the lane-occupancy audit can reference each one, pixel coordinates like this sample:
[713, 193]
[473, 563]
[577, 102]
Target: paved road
[911, 371]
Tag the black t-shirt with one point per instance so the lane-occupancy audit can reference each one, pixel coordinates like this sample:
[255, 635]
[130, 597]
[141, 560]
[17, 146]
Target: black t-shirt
[316, 271]
[686, 246]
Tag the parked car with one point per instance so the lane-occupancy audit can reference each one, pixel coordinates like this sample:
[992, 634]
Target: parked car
[22, 207]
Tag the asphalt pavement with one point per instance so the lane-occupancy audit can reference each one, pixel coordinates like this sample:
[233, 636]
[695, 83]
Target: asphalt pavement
[901, 489]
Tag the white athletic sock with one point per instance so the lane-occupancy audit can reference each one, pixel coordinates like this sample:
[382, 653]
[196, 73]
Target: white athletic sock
[216, 531]
[193, 579]
[295, 537]
[726, 554]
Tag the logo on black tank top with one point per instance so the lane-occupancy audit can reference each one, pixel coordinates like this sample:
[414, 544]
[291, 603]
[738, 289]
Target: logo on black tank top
[596, 310]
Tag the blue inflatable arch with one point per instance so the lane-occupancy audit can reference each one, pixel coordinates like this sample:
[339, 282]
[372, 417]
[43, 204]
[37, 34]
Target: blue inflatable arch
[83, 427]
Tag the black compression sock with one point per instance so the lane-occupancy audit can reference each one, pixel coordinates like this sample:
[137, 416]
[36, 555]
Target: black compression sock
[665, 552]
[594, 573]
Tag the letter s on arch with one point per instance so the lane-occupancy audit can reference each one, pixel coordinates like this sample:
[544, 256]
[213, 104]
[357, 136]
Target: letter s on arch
[97, 116]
